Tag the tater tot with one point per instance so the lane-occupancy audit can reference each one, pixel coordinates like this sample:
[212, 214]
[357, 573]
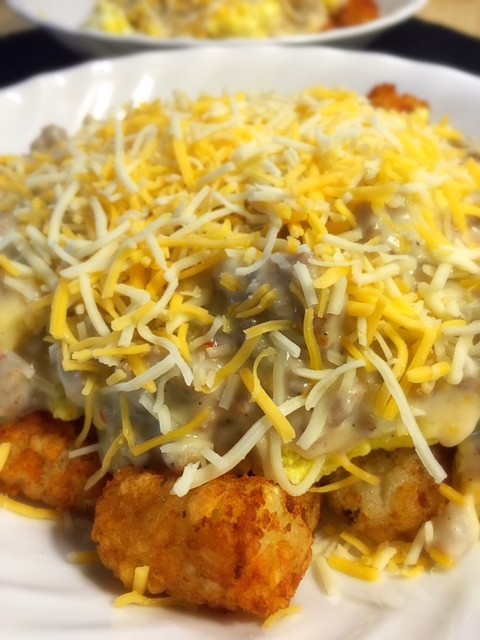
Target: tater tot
[405, 498]
[38, 466]
[386, 96]
[232, 544]
[356, 12]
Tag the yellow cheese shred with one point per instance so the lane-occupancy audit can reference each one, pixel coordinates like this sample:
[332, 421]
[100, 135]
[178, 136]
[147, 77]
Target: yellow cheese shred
[453, 495]
[201, 418]
[356, 471]
[238, 360]
[311, 340]
[354, 569]
[259, 395]
[441, 558]
[335, 486]
[135, 598]
[26, 510]
[280, 615]
[5, 448]
[140, 579]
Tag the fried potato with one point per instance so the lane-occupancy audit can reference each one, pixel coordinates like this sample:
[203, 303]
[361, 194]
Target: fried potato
[386, 96]
[356, 12]
[232, 544]
[38, 466]
[405, 498]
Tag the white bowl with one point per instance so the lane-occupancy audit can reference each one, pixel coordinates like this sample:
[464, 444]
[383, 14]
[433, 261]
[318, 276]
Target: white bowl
[66, 24]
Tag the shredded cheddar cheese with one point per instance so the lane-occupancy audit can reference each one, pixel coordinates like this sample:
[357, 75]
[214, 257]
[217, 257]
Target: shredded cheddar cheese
[4, 452]
[26, 510]
[437, 544]
[452, 494]
[441, 558]
[140, 579]
[138, 595]
[214, 275]
[133, 597]
[354, 569]
[280, 615]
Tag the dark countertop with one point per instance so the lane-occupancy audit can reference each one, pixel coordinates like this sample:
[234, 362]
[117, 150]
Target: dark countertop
[27, 53]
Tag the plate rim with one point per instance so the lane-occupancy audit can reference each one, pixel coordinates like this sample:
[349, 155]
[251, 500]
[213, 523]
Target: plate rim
[109, 67]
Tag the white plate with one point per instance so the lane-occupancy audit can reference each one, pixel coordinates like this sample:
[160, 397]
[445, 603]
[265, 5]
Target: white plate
[44, 597]
[66, 25]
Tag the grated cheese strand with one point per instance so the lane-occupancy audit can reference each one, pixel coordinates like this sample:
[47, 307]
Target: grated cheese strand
[281, 614]
[259, 395]
[26, 510]
[421, 446]
[5, 448]
[133, 597]
[177, 434]
[354, 569]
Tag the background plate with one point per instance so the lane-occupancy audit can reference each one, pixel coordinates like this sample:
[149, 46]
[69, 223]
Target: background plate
[66, 25]
[45, 597]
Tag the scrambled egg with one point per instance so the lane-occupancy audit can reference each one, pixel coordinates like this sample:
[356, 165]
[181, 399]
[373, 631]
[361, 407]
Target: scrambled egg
[245, 18]
[214, 19]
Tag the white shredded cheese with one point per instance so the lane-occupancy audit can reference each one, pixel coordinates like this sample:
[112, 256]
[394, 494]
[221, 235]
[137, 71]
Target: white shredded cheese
[253, 254]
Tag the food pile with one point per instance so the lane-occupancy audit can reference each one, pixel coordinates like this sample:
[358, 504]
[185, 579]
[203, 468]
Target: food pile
[217, 19]
[231, 317]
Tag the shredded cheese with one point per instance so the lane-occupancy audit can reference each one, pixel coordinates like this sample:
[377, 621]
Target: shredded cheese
[4, 452]
[280, 615]
[354, 569]
[279, 421]
[421, 445]
[133, 597]
[26, 510]
[190, 260]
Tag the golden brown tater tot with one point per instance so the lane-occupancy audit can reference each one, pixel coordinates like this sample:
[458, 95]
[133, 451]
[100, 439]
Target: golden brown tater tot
[38, 466]
[356, 12]
[232, 544]
[405, 498]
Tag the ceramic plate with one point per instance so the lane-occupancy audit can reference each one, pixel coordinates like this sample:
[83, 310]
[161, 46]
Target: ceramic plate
[42, 595]
[67, 26]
